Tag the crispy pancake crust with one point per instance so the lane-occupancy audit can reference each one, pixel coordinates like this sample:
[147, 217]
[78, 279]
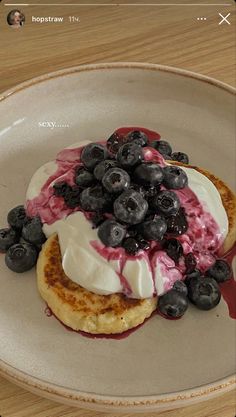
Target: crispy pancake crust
[81, 309]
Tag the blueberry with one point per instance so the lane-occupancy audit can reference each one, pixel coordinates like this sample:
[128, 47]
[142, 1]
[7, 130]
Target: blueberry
[95, 199]
[173, 304]
[38, 246]
[111, 233]
[181, 287]
[92, 154]
[130, 207]
[220, 271]
[142, 243]
[69, 193]
[116, 180]
[173, 248]
[177, 224]
[97, 219]
[138, 137]
[180, 157]
[32, 231]
[148, 174]
[151, 192]
[83, 177]
[21, 257]
[16, 217]
[190, 262]
[132, 231]
[8, 237]
[204, 292]
[102, 168]
[162, 146]
[72, 197]
[129, 155]
[167, 202]
[114, 142]
[153, 229]
[174, 177]
[166, 157]
[131, 246]
[139, 188]
[61, 188]
[196, 273]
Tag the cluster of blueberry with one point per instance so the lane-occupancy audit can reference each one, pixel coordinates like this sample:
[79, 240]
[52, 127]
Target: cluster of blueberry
[114, 179]
[201, 289]
[22, 240]
[134, 203]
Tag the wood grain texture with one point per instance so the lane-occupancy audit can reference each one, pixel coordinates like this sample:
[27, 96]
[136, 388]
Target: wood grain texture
[163, 35]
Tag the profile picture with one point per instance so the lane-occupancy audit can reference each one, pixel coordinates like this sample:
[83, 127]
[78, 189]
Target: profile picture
[15, 18]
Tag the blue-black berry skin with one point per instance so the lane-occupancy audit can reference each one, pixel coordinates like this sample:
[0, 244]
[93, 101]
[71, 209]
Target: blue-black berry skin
[116, 180]
[61, 188]
[8, 237]
[177, 224]
[16, 217]
[21, 257]
[101, 168]
[148, 174]
[167, 202]
[95, 199]
[131, 246]
[173, 249]
[111, 233]
[180, 157]
[84, 178]
[130, 207]
[32, 231]
[92, 154]
[173, 304]
[129, 155]
[72, 197]
[196, 273]
[174, 177]
[204, 293]
[181, 287]
[114, 142]
[163, 147]
[153, 229]
[138, 137]
[221, 271]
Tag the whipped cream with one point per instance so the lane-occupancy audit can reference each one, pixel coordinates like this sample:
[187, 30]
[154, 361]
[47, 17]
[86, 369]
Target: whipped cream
[209, 197]
[108, 270]
[105, 270]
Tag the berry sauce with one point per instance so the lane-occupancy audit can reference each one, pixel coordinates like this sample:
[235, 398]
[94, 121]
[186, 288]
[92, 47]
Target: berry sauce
[117, 336]
[202, 238]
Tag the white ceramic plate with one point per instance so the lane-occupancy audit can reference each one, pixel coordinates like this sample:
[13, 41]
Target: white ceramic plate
[164, 364]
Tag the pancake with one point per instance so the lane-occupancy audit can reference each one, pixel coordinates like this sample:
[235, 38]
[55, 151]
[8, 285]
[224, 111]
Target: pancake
[83, 310]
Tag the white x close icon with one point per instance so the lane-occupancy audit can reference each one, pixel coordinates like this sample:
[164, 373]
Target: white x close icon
[224, 19]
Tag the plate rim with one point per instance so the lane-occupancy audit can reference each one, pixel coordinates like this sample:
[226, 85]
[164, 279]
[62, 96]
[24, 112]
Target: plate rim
[136, 403]
[116, 65]
[92, 400]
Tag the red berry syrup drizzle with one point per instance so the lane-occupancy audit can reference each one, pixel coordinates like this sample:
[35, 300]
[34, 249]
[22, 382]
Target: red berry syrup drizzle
[117, 336]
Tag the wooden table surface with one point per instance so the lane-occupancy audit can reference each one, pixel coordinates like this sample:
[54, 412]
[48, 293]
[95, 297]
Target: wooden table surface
[169, 35]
